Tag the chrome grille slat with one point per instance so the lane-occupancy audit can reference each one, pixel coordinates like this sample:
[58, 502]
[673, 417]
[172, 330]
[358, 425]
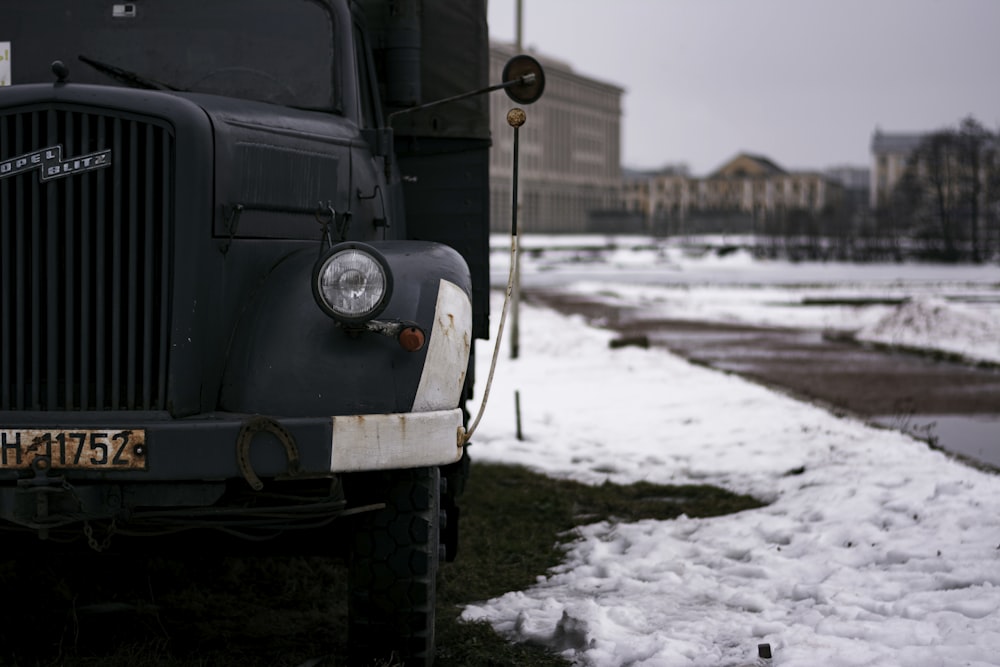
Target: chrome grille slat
[6, 277]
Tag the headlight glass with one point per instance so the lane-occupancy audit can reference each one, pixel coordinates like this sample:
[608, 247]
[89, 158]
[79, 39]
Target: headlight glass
[352, 284]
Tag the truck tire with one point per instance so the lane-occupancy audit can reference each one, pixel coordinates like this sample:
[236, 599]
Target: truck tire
[393, 567]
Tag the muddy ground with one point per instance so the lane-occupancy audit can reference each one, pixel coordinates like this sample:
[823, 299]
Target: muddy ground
[840, 374]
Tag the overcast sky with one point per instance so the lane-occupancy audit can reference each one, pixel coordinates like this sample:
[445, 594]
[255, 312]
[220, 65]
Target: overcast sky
[804, 82]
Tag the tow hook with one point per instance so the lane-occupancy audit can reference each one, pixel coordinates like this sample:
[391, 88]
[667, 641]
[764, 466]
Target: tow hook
[42, 485]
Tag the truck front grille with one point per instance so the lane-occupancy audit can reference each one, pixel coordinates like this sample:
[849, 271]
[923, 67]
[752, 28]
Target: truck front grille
[84, 260]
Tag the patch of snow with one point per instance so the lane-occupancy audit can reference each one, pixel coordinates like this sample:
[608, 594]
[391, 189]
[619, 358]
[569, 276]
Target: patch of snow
[873, 548]
[932, 323]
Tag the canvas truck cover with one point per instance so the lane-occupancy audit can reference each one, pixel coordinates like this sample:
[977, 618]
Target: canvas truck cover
[452, 61]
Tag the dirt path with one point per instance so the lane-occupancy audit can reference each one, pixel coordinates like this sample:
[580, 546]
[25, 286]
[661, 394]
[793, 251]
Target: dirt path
[841, 375]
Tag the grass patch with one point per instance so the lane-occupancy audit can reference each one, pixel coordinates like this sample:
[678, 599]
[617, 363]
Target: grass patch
[275, 611]
[515, 521]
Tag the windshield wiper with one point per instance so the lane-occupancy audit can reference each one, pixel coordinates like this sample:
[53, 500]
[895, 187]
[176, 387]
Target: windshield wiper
[130, 79]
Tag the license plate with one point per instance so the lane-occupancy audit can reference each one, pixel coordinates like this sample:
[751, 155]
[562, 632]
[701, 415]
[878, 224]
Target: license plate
[74, 449]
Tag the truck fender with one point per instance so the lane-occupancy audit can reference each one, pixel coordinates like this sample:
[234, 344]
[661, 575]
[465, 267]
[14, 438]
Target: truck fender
[287, 357]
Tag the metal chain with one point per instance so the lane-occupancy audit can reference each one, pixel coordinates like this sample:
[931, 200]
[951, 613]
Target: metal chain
[87, 528]
[92, 541]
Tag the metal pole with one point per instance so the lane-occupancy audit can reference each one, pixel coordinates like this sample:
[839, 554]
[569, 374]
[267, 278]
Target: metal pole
[515, 306]
[515, 299]
[517, 414]
[520, 26]
[515, 118]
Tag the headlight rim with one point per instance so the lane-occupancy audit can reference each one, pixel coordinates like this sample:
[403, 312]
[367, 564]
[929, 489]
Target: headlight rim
[320, 298]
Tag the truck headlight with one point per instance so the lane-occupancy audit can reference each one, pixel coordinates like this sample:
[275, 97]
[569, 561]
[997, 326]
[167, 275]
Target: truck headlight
[352, 283]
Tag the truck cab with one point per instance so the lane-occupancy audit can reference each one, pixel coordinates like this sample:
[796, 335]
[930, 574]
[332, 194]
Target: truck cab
[238, 299]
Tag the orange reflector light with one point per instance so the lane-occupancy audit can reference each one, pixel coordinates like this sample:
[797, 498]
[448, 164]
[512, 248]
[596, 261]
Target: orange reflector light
[411, 339]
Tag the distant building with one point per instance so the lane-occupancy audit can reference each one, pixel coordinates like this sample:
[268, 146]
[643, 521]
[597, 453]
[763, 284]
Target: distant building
[570, 150]
[741, 196]
[852, 178]
[889, 154]
[856, 183]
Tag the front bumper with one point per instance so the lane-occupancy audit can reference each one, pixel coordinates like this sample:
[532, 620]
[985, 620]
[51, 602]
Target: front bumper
[192, 470]
[223, 446]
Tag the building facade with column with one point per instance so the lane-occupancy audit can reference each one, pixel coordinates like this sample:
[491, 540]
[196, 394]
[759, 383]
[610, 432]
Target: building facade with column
[745, 195]
[890, 152]
[570, 150]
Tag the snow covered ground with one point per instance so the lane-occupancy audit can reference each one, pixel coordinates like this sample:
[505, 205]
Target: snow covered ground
[950, 308]
[873, 549]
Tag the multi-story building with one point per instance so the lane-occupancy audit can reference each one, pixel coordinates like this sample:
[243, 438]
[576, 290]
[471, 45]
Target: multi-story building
[745, 193]
[889, 154]
[851, 177]
[569, 148]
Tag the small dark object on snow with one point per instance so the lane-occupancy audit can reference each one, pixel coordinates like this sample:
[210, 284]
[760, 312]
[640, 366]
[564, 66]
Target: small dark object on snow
[630, 341]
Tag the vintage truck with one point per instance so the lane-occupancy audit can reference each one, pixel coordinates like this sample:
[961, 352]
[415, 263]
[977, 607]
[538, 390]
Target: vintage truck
[237, 300]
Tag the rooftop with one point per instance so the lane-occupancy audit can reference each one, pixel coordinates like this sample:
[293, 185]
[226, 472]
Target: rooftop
[895, 142]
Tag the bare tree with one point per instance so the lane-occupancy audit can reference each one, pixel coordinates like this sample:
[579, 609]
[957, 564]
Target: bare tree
[991, 199]
[950, 192]
[939, 164]
[973, 143]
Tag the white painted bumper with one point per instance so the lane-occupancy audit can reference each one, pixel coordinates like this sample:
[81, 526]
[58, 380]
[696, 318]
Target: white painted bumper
[399, 440]
[431, 435]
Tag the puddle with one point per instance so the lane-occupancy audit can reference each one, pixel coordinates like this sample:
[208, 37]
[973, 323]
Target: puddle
[974, 436]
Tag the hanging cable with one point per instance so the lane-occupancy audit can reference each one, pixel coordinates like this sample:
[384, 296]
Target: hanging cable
[515, 118]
